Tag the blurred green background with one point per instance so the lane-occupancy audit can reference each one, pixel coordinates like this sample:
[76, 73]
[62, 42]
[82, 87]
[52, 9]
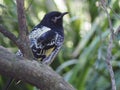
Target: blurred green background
[81, 60]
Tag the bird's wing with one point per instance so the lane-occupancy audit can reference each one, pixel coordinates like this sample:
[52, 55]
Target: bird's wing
[36, 33]
[43, 42]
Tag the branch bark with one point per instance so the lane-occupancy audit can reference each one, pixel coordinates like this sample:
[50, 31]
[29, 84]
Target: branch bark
[23, 32]
[8, 34]
[40, 75]
[11, 36]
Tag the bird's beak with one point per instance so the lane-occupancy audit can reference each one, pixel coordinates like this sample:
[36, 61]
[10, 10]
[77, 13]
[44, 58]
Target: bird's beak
[64, 14]
[59, 17]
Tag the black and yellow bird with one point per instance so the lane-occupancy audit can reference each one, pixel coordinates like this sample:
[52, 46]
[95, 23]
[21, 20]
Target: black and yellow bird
[46, 38]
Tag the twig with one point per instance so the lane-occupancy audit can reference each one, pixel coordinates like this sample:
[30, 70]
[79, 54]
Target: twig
[29, 5]
[39, 75]
[21, 19]
[8, 34]
[23, 32]
[11, 36]
[109, 49]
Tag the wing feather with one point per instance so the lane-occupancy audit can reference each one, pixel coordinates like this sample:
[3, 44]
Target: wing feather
[43, 42]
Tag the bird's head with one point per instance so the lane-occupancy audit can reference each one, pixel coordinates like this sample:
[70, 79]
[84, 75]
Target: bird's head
[53, 19]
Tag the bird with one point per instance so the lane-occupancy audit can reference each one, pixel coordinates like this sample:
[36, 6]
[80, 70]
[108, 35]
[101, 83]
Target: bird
[46, 38]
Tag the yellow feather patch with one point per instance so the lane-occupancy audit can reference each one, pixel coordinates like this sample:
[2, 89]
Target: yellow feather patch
[46, 53]
[49, 51]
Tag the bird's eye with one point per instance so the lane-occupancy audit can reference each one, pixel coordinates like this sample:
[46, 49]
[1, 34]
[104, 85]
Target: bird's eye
[54, 19]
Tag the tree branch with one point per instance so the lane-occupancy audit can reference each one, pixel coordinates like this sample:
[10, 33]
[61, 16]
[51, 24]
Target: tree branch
[23, 41]
[11, 36]
[40, 75]
[8, 34]
[109, 49]
[23, 32]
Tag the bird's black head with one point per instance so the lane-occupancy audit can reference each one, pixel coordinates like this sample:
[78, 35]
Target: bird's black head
[53, 19]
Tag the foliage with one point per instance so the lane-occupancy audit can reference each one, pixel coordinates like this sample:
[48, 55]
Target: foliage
[82, 58]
